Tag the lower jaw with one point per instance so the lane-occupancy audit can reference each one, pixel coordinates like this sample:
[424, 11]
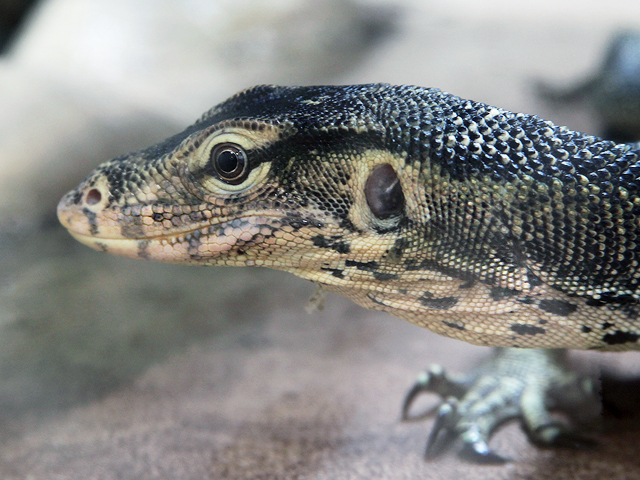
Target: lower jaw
[160, 249]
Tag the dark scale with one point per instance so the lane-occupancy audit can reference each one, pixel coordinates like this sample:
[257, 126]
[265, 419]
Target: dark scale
[546, 153]
[524, 329]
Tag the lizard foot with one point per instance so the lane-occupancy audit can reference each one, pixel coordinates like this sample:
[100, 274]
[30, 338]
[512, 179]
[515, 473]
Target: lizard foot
[512, 384]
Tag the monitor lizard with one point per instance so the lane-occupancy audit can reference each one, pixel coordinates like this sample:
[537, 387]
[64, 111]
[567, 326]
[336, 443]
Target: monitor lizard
[492, 227]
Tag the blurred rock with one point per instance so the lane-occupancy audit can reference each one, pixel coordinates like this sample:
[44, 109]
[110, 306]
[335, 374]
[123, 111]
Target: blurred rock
[12, 13]
[182, 57]
[51, 135]
[612, 93]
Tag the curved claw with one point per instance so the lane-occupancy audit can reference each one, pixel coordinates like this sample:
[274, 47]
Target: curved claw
[479, 452]
[416, 390]
[443, 432]
[475, 447]
[556, 435]
[433, 380]
[574, 441]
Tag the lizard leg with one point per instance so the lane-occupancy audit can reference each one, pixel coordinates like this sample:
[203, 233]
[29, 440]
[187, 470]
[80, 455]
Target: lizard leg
[512, 384]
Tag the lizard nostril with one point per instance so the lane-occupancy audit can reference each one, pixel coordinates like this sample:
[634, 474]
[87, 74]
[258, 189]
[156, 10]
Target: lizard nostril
[93, 196]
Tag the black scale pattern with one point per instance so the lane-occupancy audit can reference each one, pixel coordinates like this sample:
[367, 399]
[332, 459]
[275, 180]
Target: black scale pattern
[563, 203]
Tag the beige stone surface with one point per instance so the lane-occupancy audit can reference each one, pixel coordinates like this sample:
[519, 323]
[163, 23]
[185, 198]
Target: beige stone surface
[116, 369]
[179, 56]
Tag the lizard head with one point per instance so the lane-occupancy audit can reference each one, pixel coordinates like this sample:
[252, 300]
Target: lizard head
[295, 178]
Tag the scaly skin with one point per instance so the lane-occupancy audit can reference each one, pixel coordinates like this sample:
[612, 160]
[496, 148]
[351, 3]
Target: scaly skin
[483, 225]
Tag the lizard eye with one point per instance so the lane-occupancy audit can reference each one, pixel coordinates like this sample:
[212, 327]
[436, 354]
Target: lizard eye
[230, 163]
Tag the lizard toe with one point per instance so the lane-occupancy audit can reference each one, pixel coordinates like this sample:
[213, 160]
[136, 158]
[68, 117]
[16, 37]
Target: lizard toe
[433, 380]
[443, 433]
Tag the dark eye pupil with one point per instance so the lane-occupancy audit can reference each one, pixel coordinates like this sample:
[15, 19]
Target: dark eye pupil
[227, 161]
[230, 163]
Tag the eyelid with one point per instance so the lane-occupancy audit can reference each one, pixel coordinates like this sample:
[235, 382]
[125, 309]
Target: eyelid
[204, 185]
[237, 138]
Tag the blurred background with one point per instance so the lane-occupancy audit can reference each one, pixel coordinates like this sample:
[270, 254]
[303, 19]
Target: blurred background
[115, 368]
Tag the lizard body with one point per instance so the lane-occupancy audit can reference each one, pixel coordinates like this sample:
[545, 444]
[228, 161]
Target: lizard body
[491, 227]
[480, 224]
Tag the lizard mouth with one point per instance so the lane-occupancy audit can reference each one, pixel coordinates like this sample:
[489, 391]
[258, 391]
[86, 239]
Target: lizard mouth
[206, 238]
[190, 247]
